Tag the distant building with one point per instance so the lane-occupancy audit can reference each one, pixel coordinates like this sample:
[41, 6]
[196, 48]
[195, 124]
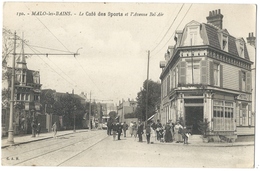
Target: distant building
[207, 76]
[26, 96]
[126, 107]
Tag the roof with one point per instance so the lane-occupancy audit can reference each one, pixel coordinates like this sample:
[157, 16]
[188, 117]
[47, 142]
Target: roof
[213, 39]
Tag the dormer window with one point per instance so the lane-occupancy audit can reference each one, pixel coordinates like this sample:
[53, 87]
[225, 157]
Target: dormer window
[240, 47]
[192, 34]
[225, 43]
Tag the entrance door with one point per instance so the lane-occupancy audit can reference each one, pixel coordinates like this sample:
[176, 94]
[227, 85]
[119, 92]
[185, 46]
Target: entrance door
[194, 114]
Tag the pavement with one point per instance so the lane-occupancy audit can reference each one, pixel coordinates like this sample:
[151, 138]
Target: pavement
[194, 140]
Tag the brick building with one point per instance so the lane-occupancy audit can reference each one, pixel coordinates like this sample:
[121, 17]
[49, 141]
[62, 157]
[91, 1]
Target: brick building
[207, 76]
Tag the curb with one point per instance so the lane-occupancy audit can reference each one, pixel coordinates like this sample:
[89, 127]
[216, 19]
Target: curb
[35, 140]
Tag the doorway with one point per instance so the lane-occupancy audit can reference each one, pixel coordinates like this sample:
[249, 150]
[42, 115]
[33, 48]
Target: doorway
[194, 114]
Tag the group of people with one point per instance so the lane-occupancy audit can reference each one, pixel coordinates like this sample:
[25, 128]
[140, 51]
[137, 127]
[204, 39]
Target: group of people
[117, 129]
[171, 132]
[167, 133]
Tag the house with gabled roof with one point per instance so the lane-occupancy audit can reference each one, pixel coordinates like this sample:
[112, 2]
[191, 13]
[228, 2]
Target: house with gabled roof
[206, 77]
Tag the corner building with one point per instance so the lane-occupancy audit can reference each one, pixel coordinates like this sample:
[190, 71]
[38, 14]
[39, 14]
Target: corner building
[206, 75]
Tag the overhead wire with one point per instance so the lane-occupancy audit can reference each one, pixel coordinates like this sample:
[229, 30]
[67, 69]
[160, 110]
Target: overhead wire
[64, 47]
[168, 28]
[159, 35]
[54, 64]
[72, 86]
[173, 32]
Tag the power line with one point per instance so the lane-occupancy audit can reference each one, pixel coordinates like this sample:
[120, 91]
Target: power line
[55, 65]
[173, 32]
[159, 35]
[52, 68]
[48, 48]
[168, 29]
[50, 32]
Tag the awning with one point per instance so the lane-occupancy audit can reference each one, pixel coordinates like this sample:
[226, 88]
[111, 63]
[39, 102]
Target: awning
[150, 117]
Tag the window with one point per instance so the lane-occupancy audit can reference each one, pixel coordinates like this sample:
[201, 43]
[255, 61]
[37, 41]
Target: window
[244, 114]
[173, 78]
[216, 75]
[193, 75]
[225, 43]
[18, 96]
[223, 116]
[243, 79]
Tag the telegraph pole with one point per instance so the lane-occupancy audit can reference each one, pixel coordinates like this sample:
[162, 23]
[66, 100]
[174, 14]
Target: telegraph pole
[147, 80]
[10, 139]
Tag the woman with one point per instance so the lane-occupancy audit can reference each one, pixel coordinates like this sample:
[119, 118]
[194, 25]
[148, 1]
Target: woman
[54, 129]
[131, 128]
[135, 129]
[177, 132]
[168, 134]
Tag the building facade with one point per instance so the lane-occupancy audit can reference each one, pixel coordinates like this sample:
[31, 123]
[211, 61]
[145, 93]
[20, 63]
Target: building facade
[207, 77]
[26, 96]
[126, 107]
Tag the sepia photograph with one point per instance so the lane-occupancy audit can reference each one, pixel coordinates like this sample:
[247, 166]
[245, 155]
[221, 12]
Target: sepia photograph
[129, 84]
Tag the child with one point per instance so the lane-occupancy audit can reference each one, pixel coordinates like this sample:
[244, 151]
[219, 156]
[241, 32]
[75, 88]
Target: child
[185, 135]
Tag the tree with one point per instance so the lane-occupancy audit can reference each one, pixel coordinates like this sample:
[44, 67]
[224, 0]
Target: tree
[113, 115]
[68, 106]
[8, 43]
[154, 96]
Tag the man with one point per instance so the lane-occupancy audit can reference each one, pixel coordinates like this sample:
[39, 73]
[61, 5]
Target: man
[140, 131]
[148, 132]
[119, 130]
[109, 126]
[34, 127]
[125, 127]
[158, 128]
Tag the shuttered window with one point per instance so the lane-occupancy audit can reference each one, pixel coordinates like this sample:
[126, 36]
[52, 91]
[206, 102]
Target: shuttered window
[182, 72]
[203, 72]
[248, 82]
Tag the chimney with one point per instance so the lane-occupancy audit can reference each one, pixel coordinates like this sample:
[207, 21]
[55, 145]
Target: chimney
[251, 39]
[215, 18]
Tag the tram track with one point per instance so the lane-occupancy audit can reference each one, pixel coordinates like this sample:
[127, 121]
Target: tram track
[40, 154]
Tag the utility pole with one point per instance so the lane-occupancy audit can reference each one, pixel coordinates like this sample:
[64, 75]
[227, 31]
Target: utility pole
[89, 111]
[10, 139]
[147, 80]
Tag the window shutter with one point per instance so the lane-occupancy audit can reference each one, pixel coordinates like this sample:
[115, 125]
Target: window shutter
[240, 114]
[211, 67]
[203, 72]
[182, 72]
[248, 82]
[240, 80]
[221, 75]
[249, 114]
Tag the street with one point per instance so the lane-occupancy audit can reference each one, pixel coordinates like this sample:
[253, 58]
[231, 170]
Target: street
[95, 148]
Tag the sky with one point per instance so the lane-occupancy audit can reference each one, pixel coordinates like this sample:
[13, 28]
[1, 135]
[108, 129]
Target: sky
[113, 51]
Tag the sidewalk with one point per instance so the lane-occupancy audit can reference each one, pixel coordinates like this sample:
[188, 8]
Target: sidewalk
[193, 141]
[197, 141]
[28, 138]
